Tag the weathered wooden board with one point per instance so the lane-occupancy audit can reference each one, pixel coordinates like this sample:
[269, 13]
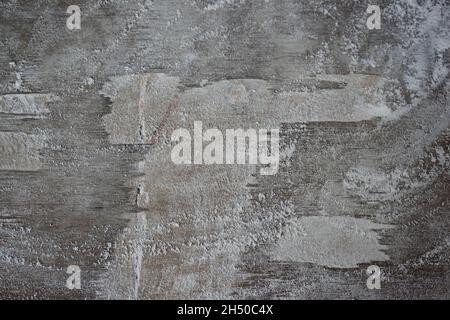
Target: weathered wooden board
[86, 176]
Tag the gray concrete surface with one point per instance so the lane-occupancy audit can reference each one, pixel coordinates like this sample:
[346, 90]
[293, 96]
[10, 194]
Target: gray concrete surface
[86, 178]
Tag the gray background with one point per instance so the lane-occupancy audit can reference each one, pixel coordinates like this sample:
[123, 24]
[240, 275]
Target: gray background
[86, 177]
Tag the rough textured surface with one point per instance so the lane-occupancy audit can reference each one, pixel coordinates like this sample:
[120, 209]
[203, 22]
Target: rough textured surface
[86, 178]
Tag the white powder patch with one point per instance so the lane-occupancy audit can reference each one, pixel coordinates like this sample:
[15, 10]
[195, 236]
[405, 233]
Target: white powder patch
[151, 106]
[26, 104]
[123, 278]
[335, 242]
[219, 4]
[20, 151]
